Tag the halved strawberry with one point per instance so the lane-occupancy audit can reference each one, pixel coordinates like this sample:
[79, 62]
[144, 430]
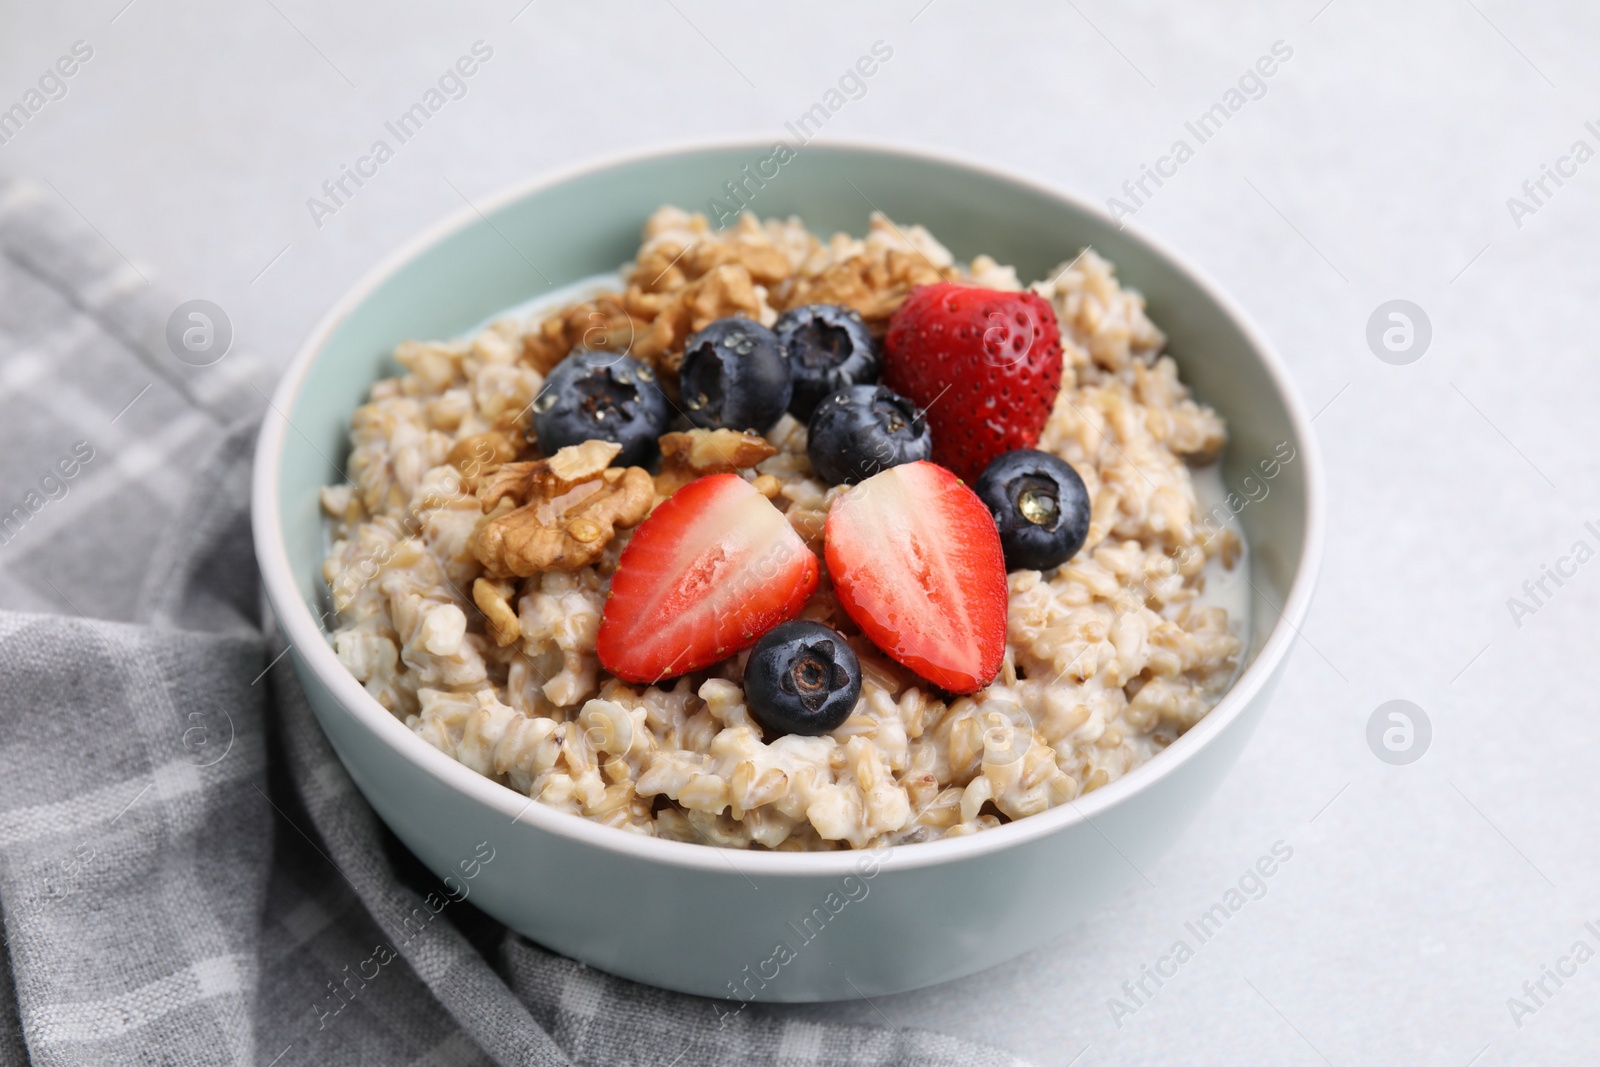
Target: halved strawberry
[916, 562]
[713, 568]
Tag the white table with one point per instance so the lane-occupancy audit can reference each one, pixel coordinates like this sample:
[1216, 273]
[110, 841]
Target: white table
[1377, 165]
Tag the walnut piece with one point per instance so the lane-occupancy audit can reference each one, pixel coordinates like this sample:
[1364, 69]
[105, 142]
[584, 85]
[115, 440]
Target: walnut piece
[680, 247]
[766, 263]
[651, 326]
[724, 290]
[600, 323]
[567, 509]
[693, 454]
[875, 283]
[547, 478]
[494, 600]
[686, 277]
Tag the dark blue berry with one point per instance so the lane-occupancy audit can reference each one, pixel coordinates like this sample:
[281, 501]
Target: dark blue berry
[604, 396]
[829, 347]
[734, 377]
[801, 678]
[863, 429]
[1040, 505]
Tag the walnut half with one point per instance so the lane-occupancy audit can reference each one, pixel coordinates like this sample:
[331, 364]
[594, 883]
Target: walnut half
[692, 454]
[567, 509]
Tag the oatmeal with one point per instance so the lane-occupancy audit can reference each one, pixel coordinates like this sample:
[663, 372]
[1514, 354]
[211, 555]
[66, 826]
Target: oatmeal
[473, 555]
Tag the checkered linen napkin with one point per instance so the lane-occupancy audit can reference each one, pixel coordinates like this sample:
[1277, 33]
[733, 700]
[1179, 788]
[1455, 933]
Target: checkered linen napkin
[187, 874]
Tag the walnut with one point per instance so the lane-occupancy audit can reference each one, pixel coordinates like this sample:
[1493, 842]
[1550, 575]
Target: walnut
[599, 323]
[723, 291]
[567, 508]
[766, 263]
[548, 478]
[685, 278]
[680, 248]
[506, 480]
[875, 283]
[494, 600]
[576, 464]
[652, 325]
[693, 454]
[660, 267]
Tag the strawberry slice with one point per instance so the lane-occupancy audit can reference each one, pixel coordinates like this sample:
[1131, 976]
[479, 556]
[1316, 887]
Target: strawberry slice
[713, 568]
[916, 562]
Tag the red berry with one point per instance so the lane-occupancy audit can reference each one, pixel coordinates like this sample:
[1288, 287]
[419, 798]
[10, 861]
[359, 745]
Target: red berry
[713, 568]
[986, 365]
[916, 562]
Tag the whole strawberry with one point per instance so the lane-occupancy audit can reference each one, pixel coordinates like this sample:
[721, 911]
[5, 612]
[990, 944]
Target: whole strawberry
[984, 363]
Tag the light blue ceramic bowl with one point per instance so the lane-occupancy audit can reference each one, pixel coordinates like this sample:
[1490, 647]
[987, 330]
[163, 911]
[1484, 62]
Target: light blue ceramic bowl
[776, 926]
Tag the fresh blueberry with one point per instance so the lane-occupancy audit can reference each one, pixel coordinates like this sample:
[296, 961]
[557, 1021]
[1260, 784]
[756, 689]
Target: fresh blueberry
[829, 347]
[863, 429]
[802, 678]
[605, 396]
[734, 377]
[1040, 505]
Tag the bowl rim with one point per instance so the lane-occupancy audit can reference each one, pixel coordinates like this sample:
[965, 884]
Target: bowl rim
[310, 645]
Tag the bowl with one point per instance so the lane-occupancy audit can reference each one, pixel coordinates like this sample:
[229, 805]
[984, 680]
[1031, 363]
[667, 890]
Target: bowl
[773, 926]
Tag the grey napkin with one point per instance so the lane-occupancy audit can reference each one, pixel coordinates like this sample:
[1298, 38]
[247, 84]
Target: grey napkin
[187, 874]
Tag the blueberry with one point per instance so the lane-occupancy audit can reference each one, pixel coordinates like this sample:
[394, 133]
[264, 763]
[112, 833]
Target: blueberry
[863, 429]
[829, 347]
[1040, 505]
[802, 678]
[605, 396]
[734, 377]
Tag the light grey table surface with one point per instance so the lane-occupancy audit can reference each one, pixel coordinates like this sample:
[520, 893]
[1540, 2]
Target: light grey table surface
[1377, 165]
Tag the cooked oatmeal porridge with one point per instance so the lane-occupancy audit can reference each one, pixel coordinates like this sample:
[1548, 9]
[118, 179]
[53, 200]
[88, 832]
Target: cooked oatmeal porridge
[470, 569]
